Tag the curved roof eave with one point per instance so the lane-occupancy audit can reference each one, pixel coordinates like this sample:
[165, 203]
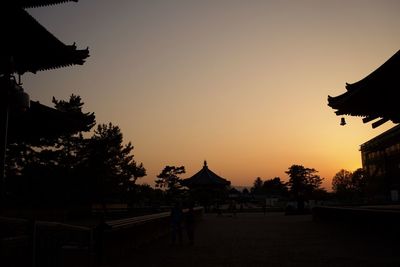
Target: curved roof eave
[373, 97]
[205, 177]
[31, 47]
[384, 74]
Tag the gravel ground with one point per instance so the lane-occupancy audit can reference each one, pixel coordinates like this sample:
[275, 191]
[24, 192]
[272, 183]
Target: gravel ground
[255, 239]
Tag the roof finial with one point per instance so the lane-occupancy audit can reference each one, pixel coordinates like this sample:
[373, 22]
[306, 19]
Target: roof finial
[205, 163]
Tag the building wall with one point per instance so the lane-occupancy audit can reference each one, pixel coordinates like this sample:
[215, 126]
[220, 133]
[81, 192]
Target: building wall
[381, 158]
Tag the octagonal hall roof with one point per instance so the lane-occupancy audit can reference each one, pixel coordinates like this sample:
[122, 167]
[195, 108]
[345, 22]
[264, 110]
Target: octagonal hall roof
[374, 97]
[27, 46]
[205, 177]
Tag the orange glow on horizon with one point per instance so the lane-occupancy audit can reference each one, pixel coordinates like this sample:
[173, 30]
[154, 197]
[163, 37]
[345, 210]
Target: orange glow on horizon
[243, 85]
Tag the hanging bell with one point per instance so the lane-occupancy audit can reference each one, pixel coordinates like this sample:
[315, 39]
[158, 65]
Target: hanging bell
[342, 121]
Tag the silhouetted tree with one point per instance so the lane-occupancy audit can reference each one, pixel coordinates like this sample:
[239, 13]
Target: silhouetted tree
[275, 187]
[341, 182]
[349, 185]
[245, 195]
[303, 181]
[359, 180]
[70, 169]
[321, 194]
[44, 171]
[111, 163]
[70, 152]
[257, 188]
[84, 122]
[169, 179]
[144, 195]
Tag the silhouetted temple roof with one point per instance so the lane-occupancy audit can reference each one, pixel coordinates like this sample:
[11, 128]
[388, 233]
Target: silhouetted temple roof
[374, 97]
[27, 46]
[205, 177]
[40, 121]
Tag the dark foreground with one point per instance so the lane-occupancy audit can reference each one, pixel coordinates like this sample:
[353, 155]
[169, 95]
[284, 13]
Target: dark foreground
[255, 239]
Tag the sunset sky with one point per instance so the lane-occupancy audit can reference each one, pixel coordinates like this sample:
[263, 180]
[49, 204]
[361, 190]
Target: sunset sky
[241, 84]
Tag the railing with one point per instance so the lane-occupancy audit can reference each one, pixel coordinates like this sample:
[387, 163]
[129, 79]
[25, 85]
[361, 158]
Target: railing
[58, 244]
[15, 242]
[12, 226]
[117, 238]
[46, 244]
[51, 244]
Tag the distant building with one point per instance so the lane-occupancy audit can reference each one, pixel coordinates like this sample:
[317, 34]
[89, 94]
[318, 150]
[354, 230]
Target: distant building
[206, 187]
[381, 160]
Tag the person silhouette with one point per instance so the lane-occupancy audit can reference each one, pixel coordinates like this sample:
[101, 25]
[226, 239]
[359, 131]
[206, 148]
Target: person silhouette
[233, 207]
[264, 206]
[176, 223]
[190, 224]
[219, 210]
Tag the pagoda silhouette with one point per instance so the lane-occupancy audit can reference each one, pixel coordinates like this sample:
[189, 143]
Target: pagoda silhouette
[206, 187]
[27, 46]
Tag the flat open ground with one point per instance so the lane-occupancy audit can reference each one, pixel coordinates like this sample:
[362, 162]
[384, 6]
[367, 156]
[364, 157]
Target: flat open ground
[255, 239]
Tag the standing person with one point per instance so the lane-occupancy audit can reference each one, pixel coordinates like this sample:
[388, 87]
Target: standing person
[176, 223]
[233, 207]
[219, 210]
[264, 206]
[190, 224]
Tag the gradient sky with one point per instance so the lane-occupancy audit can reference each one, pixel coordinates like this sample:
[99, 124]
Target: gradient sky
[241, 84]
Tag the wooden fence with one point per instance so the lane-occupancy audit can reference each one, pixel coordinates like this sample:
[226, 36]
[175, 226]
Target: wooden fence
[51, 244]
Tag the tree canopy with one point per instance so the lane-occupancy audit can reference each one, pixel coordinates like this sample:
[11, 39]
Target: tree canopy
[257, 186]
[112, 162]
[347, 184]
[169, 179]
[341, 182]
[72, 169]
[44, 171]
[275, 187]
[269, 187]
[303, 182]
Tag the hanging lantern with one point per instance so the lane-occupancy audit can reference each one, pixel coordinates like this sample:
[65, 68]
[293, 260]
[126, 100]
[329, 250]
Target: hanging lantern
[342, 121]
